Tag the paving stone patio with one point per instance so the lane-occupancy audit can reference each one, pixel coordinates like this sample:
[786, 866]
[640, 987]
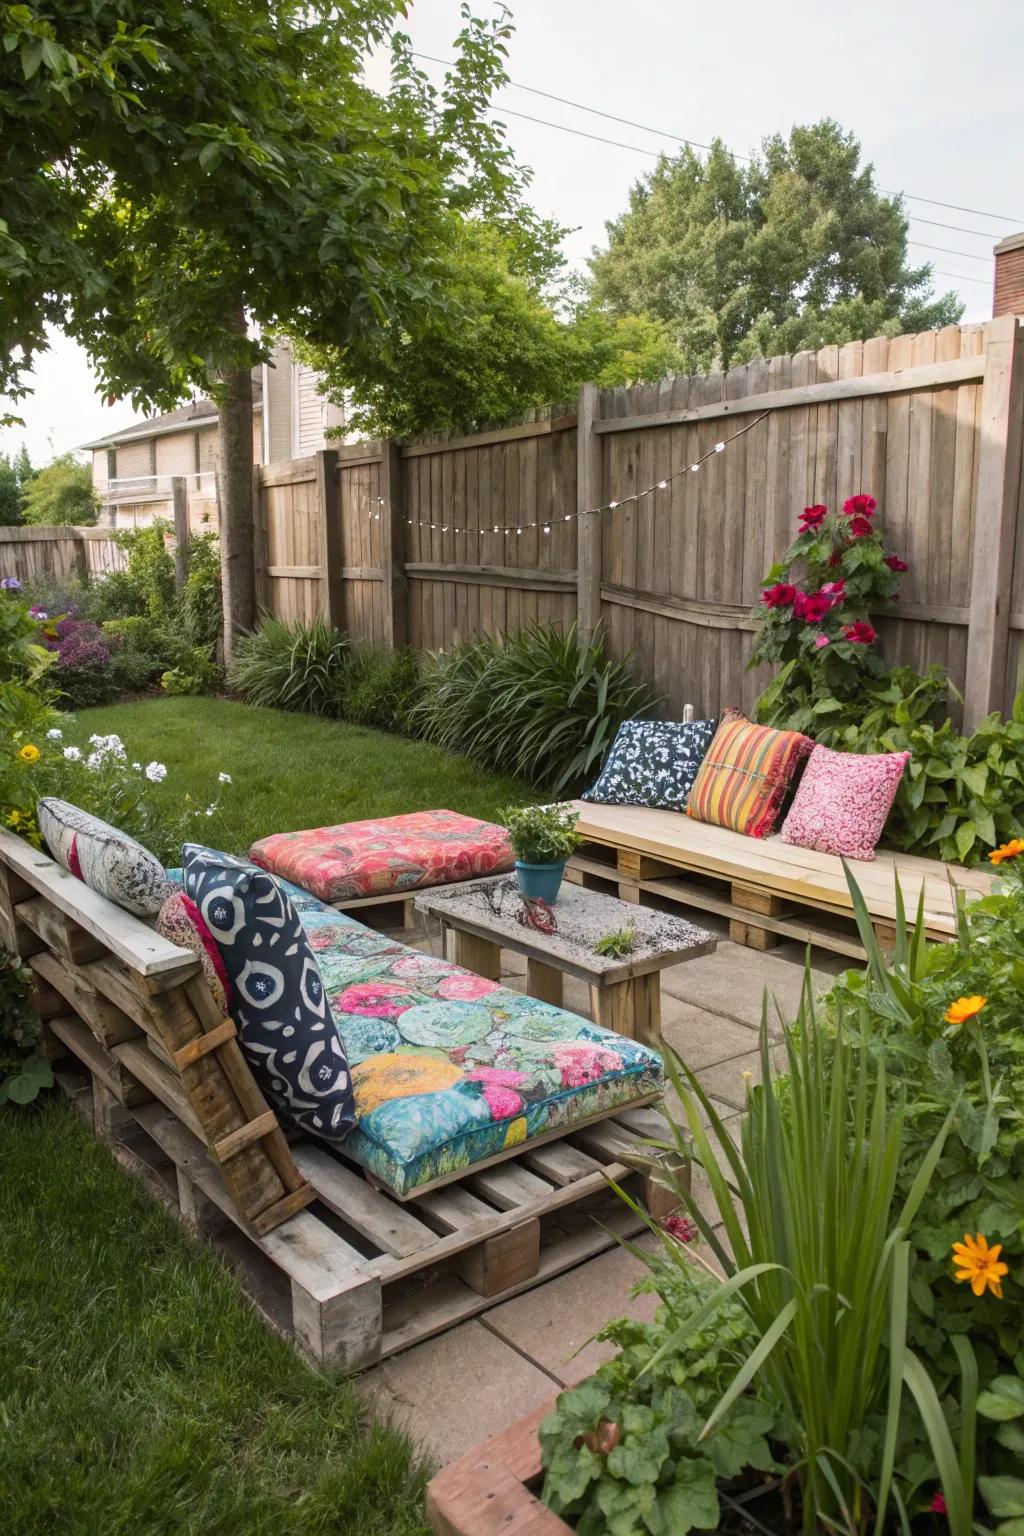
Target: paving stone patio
[455, 1390]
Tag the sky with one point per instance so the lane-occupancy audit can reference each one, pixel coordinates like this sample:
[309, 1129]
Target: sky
[930, 87]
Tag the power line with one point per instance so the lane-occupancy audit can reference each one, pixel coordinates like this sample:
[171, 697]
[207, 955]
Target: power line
[961, 277]
[679, 138]
[947, 250]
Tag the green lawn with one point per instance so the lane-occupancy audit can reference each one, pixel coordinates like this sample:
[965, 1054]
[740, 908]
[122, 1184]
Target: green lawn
[139, 1394]
[291, 771]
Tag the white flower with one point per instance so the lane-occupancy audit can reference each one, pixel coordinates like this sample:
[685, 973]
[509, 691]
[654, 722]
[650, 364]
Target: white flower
[55, 735]
[111, 746]
[73, 754]
[155, 772]
[223, 778]
[94, 760]
[137, 767]
[210, 810]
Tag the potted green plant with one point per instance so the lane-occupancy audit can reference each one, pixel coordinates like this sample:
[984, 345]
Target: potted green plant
[542, 838]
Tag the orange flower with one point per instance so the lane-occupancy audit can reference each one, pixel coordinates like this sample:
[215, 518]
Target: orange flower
[976, 1262]
[963, 1009]
[1009, 850]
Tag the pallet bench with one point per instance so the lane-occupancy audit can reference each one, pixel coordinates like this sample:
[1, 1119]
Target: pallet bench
[340, 1265]
[768, 890]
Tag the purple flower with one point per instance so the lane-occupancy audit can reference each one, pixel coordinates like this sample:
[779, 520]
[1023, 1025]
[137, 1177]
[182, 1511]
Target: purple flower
[10, 584]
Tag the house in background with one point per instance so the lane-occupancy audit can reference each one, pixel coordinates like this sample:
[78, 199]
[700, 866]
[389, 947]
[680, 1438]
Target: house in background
[132, 469]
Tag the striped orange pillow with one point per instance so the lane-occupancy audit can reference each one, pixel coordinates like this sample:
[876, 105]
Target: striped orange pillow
[743, 781]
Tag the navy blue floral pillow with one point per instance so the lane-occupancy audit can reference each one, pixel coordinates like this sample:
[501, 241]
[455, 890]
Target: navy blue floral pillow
[285, 1025]
[653, 763]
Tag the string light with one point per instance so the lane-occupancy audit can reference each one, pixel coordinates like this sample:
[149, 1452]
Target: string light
[609, 506]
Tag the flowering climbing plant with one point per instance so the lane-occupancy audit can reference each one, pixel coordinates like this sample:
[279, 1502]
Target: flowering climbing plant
[817, 605]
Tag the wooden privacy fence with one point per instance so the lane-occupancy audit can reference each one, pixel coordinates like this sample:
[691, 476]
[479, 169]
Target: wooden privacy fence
[41, 553]
[399, 544]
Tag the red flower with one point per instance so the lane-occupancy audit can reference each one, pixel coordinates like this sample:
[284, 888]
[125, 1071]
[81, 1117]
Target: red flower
[835, 591]
[860, 506]
[813, 608]
[860, 527]
[937, 1505]
[779, 596]
[896, 564]
[860, 633]
[813, 517]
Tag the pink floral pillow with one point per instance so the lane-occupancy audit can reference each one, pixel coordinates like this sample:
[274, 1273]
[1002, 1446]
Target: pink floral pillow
[843, 801]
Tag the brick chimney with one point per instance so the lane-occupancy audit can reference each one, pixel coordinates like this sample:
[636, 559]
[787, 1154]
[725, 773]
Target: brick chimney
[1008, 292]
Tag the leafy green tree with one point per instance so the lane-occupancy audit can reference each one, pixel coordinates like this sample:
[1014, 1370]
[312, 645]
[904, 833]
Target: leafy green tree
[10, 492]
[508, 340]
[796, 249]
[176, 170]
[61, 493]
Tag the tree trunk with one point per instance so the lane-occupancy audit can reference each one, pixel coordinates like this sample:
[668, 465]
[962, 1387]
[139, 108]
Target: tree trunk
[234, 468]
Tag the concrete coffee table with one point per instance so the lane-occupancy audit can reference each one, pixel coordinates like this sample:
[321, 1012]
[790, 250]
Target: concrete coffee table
[625, 991]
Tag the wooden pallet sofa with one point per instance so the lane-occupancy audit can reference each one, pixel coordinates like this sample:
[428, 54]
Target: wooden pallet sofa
[338, 1262]
[769, 890]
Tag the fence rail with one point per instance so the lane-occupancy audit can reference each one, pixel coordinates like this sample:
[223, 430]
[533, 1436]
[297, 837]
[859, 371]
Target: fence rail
[42, 553]
[399, 544]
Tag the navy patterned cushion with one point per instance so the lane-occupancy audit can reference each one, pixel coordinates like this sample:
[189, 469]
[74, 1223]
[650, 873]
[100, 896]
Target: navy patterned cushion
[653, 763]
[285, 1025]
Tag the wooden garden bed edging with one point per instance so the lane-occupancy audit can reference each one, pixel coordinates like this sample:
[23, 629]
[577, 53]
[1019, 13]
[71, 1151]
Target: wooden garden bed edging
[493, 1488]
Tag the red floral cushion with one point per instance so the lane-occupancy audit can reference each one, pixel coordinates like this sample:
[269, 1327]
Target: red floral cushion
[394, 854]
[843, 801]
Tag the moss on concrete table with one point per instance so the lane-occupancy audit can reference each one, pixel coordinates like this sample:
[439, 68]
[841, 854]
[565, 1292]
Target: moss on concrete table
[483, 917]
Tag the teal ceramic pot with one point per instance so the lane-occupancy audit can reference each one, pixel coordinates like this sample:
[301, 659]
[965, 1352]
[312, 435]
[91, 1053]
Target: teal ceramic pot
[540, 881]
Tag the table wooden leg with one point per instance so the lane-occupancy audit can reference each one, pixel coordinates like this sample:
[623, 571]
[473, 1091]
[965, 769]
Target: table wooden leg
[631, 1008]
[543, 982]
[477, 955]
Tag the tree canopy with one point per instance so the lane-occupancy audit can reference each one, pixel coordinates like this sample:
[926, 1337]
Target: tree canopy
[15, 473]
[59, 493]
[796, 249]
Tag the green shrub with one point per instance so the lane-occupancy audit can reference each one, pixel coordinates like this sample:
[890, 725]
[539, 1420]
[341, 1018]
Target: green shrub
[974, 1071]
[201, 594]
[378, 688]
[290, 666]
[196, 672]
[146, 586]
[539, 704]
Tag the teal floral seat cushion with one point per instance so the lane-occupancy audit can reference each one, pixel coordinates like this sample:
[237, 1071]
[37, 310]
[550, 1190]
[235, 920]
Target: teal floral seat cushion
[449, 1069]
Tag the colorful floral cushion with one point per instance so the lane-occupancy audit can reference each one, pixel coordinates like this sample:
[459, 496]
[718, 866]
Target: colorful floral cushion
[285, 1025]
[745, 777]
[449, 1068]
[181, 921]
[653, 763]
[396, 853]
[843, 801]
[103, 858]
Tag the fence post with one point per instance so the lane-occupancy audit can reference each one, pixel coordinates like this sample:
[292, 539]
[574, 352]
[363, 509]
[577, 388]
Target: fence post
[995, 522]
[179, 507]
[328, 492]
[393, 546]
[259, 539]
[588, 527]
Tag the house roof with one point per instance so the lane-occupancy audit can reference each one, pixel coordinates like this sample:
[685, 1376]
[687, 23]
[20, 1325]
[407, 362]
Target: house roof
[198, 413]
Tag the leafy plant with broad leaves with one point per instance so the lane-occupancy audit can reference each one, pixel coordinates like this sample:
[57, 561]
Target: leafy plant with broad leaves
[24, 1070]
[974, 1071]
[290, 666]
[378, 688]
[541, 704]
[541, 834]
[622, 1452]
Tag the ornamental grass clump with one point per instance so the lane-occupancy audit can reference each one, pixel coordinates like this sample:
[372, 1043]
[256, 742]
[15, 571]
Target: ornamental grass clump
[290, 666]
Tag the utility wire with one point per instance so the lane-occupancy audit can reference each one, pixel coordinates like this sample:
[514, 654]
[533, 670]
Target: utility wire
[947, 250]
[627, 122]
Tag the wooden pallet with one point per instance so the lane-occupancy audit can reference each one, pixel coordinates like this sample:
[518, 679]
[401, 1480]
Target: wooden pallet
[359, 1274]
[107, 983]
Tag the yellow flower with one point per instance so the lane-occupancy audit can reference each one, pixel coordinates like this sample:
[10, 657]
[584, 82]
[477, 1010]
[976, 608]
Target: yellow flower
[29, 753]
[1009, 850]
[963, 1009]
[975, 1261]
[397, 1075]
[516, 1132]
